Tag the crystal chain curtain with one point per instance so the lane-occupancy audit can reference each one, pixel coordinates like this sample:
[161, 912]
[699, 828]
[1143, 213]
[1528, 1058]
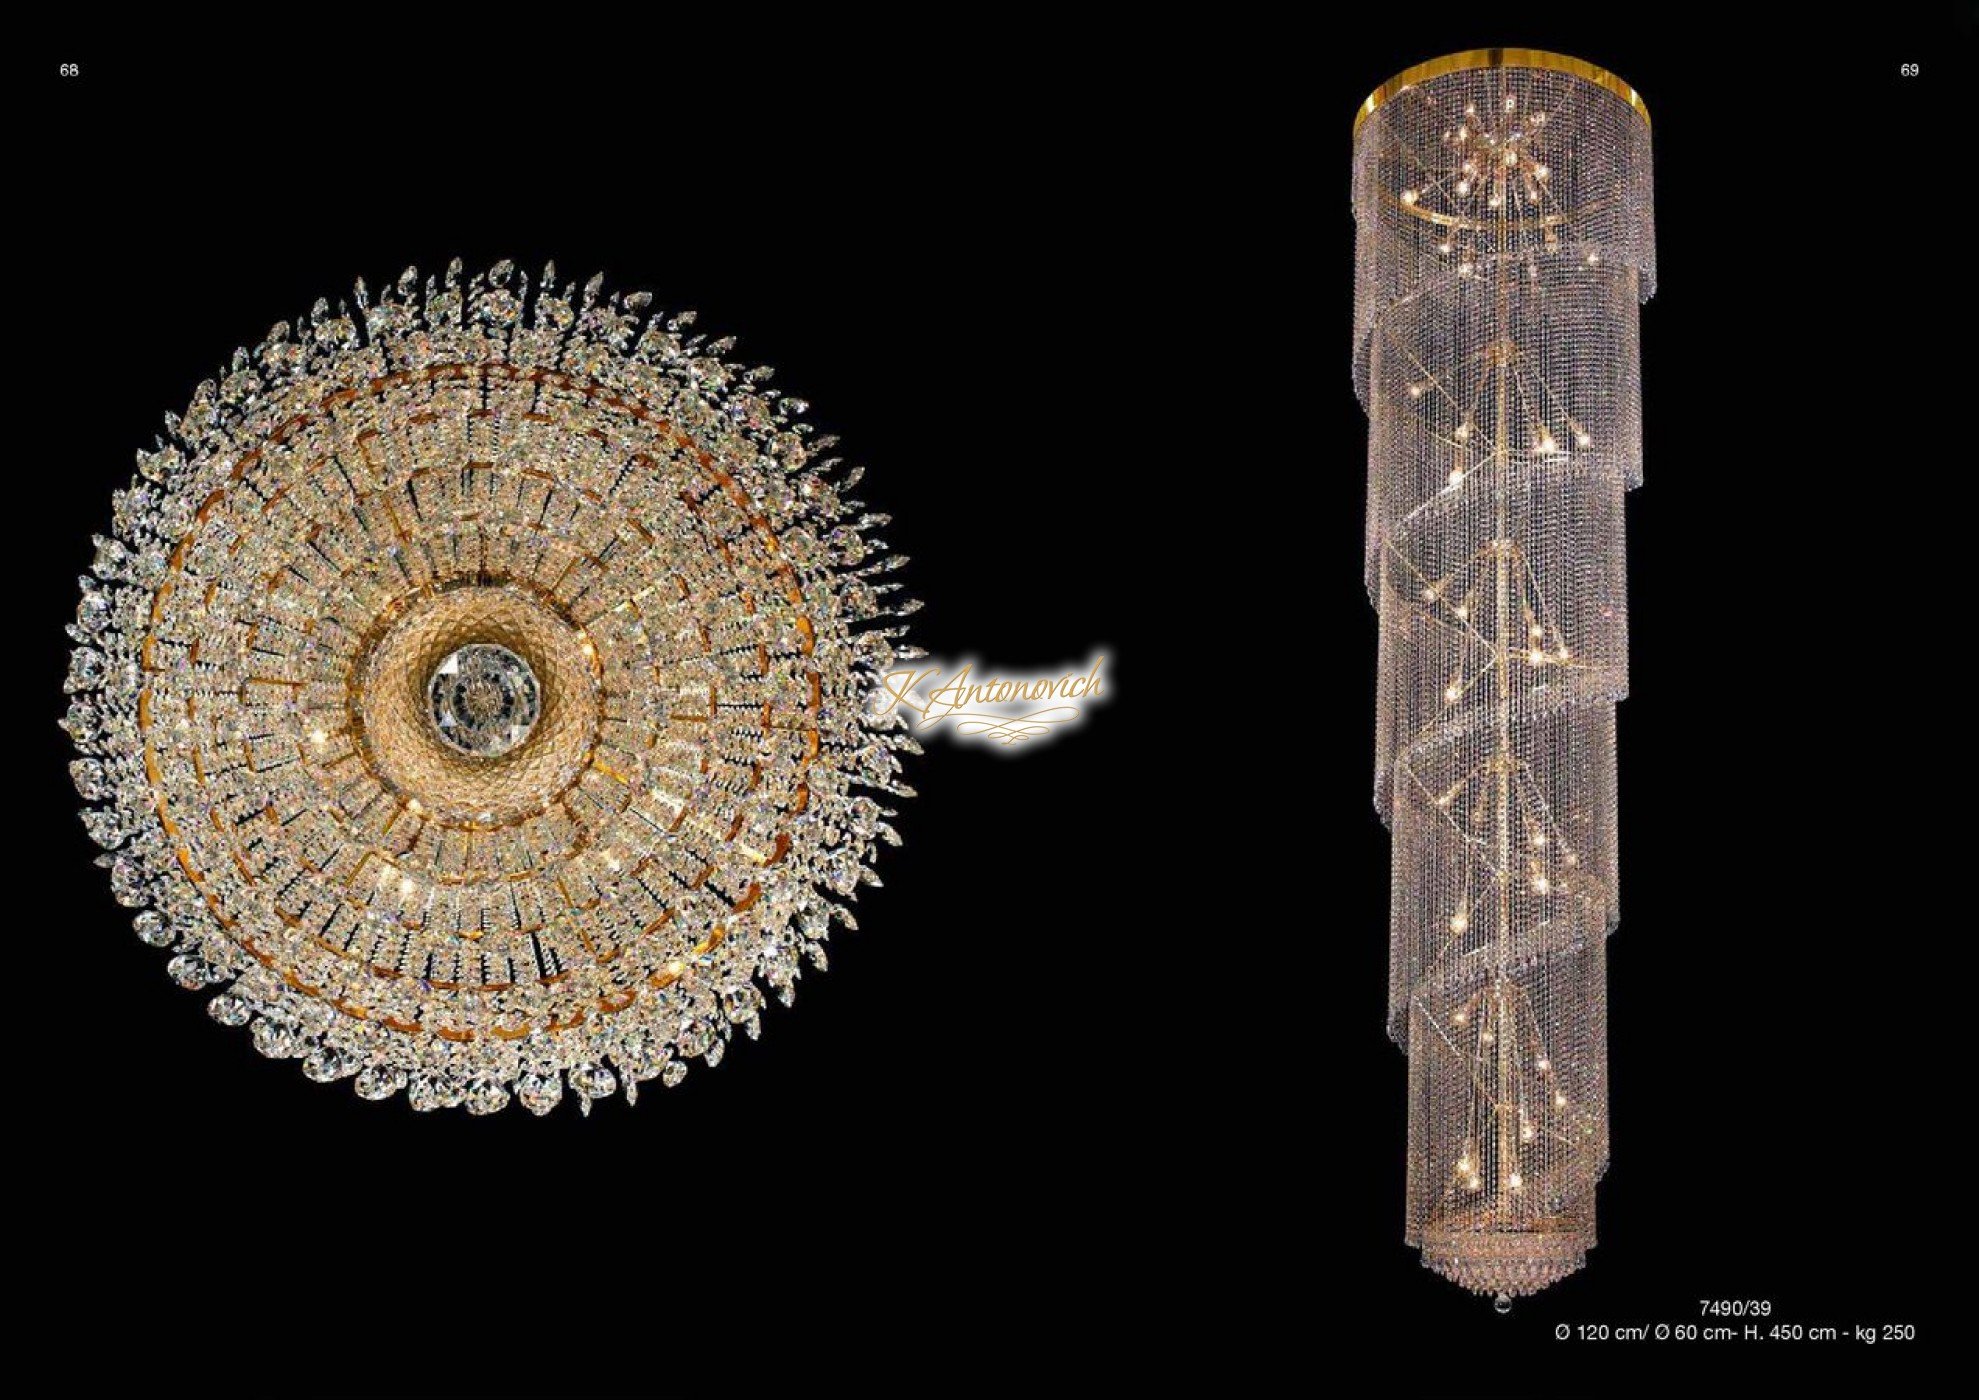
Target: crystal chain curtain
[1504, 240]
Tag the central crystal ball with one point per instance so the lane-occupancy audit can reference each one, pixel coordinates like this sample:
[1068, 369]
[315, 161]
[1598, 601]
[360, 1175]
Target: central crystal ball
[483, 699]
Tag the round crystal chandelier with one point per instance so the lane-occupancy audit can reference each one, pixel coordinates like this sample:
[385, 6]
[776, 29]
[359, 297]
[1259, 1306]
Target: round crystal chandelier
[471, 695]
[1503, 243]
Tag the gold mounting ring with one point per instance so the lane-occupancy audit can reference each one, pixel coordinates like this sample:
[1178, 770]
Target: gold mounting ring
[1500, 58]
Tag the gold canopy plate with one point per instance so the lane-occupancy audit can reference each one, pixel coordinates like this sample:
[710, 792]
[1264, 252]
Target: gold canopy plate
[1499, 58]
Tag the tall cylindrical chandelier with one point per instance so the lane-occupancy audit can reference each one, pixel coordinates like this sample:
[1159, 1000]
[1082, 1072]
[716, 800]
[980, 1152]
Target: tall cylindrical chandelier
[1504, 240]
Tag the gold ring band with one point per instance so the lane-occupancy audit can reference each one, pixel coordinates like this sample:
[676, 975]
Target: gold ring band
[1500, 58]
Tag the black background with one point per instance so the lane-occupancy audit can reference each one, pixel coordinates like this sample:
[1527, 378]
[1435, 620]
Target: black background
[1100, 1089]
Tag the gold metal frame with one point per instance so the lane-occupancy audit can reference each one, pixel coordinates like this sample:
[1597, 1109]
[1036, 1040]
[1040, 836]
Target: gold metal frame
[1499, 58]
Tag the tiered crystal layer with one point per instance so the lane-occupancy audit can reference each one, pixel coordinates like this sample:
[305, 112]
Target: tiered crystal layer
[1504, 243]
[474, 688]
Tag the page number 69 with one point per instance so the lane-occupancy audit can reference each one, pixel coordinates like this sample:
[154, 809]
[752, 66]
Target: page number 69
[72, 70]
[1908, 70]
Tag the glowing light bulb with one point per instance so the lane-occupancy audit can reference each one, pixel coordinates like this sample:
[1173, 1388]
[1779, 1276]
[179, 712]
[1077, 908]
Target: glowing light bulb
[1464, 1164]
[1559, 1101]
[1543, 1064]
[1461, 1018]
[1547, 446]
[1487, 1038]
[1511, 103]
[1463, 613]
[1463, 187]
[1453, 692]
[1594, 260]
[1525, 1132]
[1463, 433]
[1511, 157]
[1541, 885]
[1443, 247]
[1415, 391]
[1515, 1181]
[1459, 923]
[1470, 110]
[1496, 201]
[1429, 595]
[1535, 631]
[1456, 476]
[1540, 172]
[405, 887]
[1475, 1182]
[1561, 654]
[1536, 657]
[1539, 840]
[1463, 269]
[318, 737]
[1408, 196]
[1582, 440]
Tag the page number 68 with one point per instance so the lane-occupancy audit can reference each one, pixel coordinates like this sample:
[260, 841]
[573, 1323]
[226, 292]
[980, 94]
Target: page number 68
[1908, 70]
[72, 70]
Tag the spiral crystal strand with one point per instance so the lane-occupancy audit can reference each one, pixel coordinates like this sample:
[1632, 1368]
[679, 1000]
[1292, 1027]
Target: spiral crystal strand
[471, 692]
[1503, 244]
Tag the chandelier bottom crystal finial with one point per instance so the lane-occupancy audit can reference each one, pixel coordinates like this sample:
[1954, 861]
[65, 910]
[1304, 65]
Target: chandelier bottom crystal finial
[483, 699]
